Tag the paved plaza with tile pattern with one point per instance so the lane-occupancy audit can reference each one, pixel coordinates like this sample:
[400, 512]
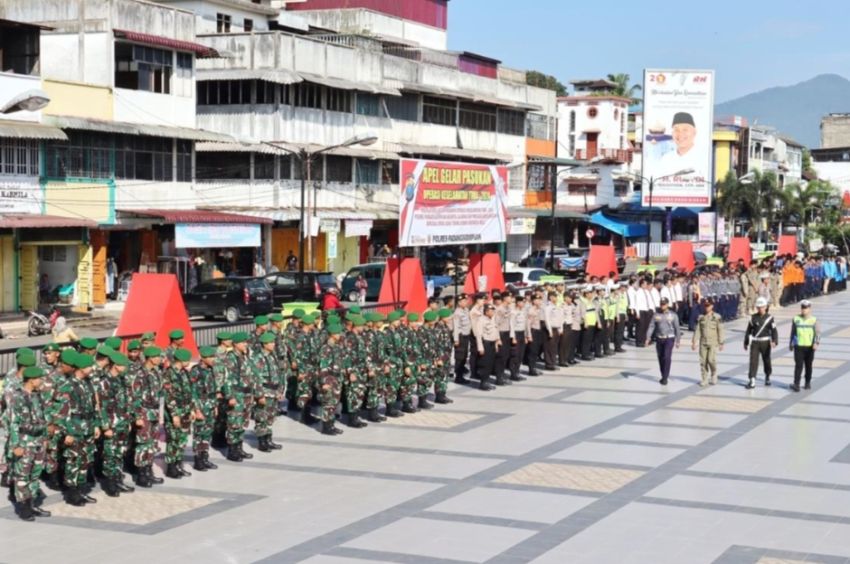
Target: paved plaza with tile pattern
[592, 464]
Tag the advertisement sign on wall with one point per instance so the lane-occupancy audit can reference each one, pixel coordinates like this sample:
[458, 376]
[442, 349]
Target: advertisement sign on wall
[451, 203]
[706, 227]
[678, 107]
[19, 197]
[522, 225]
[215, 235]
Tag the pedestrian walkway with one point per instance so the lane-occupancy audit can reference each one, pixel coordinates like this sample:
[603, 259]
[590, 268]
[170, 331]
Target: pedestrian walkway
[592, 464]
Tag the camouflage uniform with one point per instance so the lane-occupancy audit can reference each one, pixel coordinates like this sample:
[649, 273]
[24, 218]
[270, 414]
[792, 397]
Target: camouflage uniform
[273, 387]
[355, 375]
[145, 392]
[239, 389]
[331, 372]
[388, 342]
[375, 365]
[28, 431]
[304, 358]
[443, 343]
[115, 410]
[422, 344]
[206, 387]
[179, 404]
[407, 351]
[80, 424]
[55, 409]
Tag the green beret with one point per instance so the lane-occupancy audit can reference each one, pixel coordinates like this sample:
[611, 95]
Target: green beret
[298, 313]
[267, 338]
[380, 318]
[276, 318]
[354, 309]
[32, 372]
[24, 350]
[261, 320]
[401, 313]
[113, 342]
[394, 316]
[88, 343]
[25, 359]
[152, 352]
[240, 337]
[149, 336]
[224, 336]
[207, 352]
[134, 345]
[83, 361]
[176, 334]
[333, 316]
[119, 359]
[183, 355]
[444, 313]
[430, 316]
[69, 357]
[308, 320]
[413, 317]
[52, 347]
[359, 322]
[371, 317]
[103, 350]
[334, 329]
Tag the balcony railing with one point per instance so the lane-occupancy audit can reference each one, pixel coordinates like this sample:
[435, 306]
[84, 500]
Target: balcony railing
[612, 155]
[422, 55]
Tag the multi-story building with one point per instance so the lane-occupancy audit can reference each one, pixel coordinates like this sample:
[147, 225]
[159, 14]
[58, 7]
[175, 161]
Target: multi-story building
[835, 131]
[765, 150]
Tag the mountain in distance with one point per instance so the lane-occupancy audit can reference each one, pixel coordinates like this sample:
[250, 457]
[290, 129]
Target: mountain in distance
[795, 110]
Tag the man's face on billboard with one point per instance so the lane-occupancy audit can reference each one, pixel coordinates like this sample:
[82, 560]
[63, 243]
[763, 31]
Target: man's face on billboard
[684, 135]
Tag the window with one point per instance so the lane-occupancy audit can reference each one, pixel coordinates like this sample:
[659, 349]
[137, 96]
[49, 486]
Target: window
[144, 68]
[266, 92]
[184, 160]
[224, 92]
[581, 189]
[286, 167]
[572, 120]
[263, 166]
[19, 50]
[477, 116]
[338, 168]
[404, 107]
[339, 100]
[368, 104]
[183, 75]
[222, 23]
[389, 172]
[592, 112]
[248, 25]
[219, 166]
[439, 110]
[84, 155]
[572, 144]
[18, 157]
[368, 171]
[511, 122]
[305, 95]
[149, 158]
[621, 189]
[540, 127]
[536, 177]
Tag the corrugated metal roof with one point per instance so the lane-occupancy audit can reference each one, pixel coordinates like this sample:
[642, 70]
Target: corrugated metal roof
[343, 84]
[279, 76]
[195, 216]
[159, 41]
[356, 152]
[26, 130]
[86, 124]
[34, 221]
[295, 214]
[432, 150]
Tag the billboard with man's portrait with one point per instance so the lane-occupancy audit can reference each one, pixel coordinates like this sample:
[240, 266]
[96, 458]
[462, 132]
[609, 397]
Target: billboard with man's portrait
[678, 114]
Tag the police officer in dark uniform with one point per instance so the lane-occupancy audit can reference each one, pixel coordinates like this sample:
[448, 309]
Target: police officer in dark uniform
[760, 337]
[664, 327]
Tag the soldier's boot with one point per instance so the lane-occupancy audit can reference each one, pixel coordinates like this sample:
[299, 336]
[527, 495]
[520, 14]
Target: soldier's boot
[263, 444]
[306, 417]
[25, 511]
[4, 480]
[273, 445]
[73, 497]
[207, 462]
[172, 472]
[242, 453]
[328, 428]
[38, 511]
[183, 471]
[199, 462]
[233, 453]
[109, 487]
[52, 481]
[375, 416]
[122, 487]
[90, 478]
[392, 410]
[767, 380]
[441, 397]
[407, 406]
[86, 497]
[355, 422]
[142, 479]
[153, 477]
[218, 440]
[423, 403]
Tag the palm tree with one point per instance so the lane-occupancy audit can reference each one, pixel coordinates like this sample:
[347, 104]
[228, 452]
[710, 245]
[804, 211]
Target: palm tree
[766, 198]
[622, 87]
[810, 200]
[734, 199]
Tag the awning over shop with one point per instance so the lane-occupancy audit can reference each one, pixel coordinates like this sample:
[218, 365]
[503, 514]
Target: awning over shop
[44, 221]
[295, 214]
[159, 41]
[434, 151]
[561, 212]
[554, 161]
[193, 216]
[617, 226]
[343, 84]
[86, 124]
[26, 130]
[279, 76]
[686, 213]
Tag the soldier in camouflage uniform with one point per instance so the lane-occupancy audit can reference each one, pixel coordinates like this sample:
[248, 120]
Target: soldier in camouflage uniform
[56, 409]
[392, 352]
[238, 390]
[27, 439]
[176, 339]
[145, 392]
[407, 348]
[261, 325]
[206, 387]
[304, 359]
[281, 351]
[134, 354]
[426, 357]
[356, 370]
[180, 411]
[115, 423]
[376, 366]
[101, 367]
[225, 345]
[273, 386]
[49, 359]
[81, 429]
[330, 377]
[24, 358]
[444, 342]
[290, 335]
[88, 345]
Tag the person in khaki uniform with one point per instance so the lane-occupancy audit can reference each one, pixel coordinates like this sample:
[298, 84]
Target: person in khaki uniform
[708, 339]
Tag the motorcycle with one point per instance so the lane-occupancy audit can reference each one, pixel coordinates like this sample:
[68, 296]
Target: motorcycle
[40, 324]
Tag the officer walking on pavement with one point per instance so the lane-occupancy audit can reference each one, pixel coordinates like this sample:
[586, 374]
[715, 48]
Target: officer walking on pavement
[805, 338]
[664, 326]
[760, 337]
[708, 339]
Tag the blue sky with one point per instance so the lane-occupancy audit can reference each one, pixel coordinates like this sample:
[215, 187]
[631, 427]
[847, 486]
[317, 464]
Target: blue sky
[751, 44]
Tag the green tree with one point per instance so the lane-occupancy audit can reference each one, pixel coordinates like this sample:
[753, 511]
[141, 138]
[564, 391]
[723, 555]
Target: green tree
[813, 201]
[807, 163]
[623, 88]
[766, 198]
[540, 80]
[734, 200]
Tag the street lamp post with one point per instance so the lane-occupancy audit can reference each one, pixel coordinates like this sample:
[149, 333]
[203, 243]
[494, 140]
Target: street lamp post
[651, 181]
[305, 159]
